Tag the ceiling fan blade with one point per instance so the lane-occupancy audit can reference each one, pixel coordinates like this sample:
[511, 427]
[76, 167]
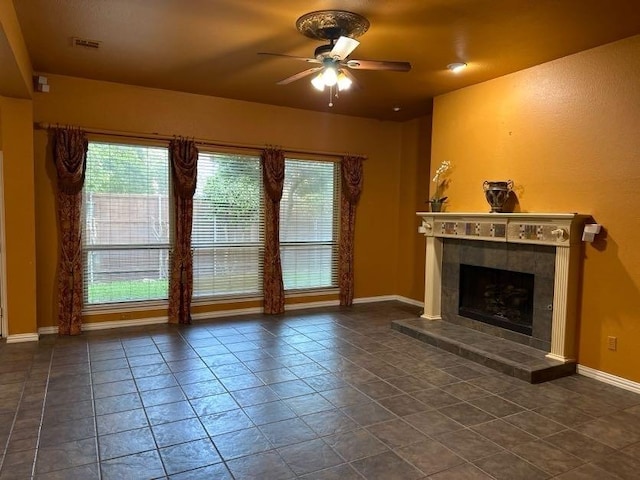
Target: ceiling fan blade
[343, 47]
[378, 65]
[304, 59]
[298, 76]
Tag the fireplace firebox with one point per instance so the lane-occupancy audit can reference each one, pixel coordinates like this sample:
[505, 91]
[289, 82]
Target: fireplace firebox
[503, 298]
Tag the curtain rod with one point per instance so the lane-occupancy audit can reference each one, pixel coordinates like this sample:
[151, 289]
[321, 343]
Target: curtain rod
[199, 141]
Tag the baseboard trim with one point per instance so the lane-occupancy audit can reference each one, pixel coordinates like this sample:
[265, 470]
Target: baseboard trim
[214, 314]
[410, 301]
[87, 327]
[608, 378]
[23, 337]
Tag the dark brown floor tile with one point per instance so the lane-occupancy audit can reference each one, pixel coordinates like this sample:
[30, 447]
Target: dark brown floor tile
[291, 388]
[432, 422]
[81, 472]
[466, 471]
[151, 370]
[66, 455]
[121, 421]
[534, 424]
[503, 433]
[213, 404]
[241, 442]
[368, 413]
[386, 466]
[579, 445]
[496, 406]
[287, 432]
[430, 456]
[260, 467]
[339, 472]
[110, 389]
[169, 412]
[547, 457]
[309, 456]
[329, 422]
[225, 422]
[254, 396]
[68, 431]
[561, 414]
[396, 433]
[620, 464]
[610, 433]
[178, 432]
[156, 382]
[111, 375]
[355, 444]
[345, 396]
[506, 466]
[189, 456]
[468, 444]
[435, 398]
[410, 383]
[308, 404]
[586, 472]
[203, 389]
[466, 414]
[151, 398]
[139, 466]
[218, 472]
[269, 412]
[118, 403]
[379, 389]
[125, 443]
[403, 405]
[327, 381]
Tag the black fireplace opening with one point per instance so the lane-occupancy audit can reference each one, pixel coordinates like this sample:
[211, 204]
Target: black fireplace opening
[498, 297]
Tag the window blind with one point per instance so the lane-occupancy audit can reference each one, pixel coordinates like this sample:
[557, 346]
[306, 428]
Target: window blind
[309, 224]
[125, 223]
[228, 226]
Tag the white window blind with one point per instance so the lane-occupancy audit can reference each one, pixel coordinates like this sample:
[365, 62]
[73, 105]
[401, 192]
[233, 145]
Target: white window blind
[228, 226]
[309, 224]
[126, 223]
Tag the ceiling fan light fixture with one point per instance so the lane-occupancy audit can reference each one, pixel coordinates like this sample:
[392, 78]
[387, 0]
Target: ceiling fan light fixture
[318, 82]
[330, 76]
[344, 82]
[457, 67]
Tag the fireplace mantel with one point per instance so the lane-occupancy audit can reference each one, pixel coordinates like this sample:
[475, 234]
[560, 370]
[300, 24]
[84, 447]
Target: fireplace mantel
[560, 230]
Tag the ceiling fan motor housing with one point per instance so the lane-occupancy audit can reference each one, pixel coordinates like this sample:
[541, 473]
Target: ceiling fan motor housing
[332, 24]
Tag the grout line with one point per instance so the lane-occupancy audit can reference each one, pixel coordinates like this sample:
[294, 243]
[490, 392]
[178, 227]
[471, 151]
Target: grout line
[44, 403]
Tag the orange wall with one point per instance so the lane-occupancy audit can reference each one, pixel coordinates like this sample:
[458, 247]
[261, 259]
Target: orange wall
[112, 106]
[413, 192]
[567, 133]
[19, 217]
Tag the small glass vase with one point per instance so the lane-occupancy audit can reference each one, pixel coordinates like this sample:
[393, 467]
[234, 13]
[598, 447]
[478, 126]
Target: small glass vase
[436, 205]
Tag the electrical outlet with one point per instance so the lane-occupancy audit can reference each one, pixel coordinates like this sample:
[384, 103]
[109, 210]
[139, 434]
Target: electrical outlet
[612, 343]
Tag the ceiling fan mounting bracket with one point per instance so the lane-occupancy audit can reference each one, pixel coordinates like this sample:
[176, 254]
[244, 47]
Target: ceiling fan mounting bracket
[332, 24]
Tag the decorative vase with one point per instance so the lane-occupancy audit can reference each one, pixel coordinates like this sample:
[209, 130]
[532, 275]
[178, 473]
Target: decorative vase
[436, 205]
[497, 194]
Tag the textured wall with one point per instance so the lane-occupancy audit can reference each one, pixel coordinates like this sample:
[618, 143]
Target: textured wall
[567, 133]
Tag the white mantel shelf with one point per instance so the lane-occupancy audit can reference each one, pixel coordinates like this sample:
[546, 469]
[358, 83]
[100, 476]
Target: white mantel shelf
[557, 229]
[560, 230]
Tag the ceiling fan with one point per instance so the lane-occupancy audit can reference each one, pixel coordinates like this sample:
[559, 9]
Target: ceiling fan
[340, 28]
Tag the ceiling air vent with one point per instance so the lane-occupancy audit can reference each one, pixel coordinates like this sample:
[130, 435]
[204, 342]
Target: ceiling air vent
[85, 43]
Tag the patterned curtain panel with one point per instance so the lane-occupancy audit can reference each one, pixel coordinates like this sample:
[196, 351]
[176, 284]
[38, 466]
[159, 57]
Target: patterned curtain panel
[273, 178]
[70, 157]
[183, 155]
[351, 189]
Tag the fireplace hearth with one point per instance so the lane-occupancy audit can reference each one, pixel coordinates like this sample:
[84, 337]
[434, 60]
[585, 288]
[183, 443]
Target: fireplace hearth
[499, 297]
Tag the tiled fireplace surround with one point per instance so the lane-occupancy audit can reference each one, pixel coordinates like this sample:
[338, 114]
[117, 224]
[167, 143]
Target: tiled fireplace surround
[548, 246]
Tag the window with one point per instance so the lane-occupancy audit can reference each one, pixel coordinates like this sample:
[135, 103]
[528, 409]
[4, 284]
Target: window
[228, 226]
[126, 223]
[309, 213]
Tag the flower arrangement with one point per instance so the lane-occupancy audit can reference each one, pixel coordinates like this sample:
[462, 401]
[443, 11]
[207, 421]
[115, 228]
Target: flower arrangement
[444, 167]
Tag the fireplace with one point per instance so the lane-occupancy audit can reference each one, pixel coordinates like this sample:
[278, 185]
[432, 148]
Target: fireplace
[546, 247]
[503, 298]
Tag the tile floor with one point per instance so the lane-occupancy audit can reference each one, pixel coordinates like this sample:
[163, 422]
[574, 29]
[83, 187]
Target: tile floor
[322, 394]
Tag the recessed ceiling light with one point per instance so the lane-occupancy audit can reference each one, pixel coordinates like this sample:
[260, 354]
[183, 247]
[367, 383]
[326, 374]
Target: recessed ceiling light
[396, 109]
[457, 66]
